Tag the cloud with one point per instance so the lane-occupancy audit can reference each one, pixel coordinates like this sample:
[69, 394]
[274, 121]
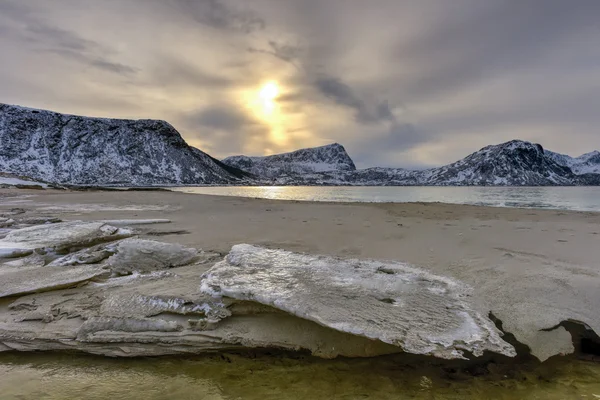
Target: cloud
[226, 129]
[342, 94]
[50, 39]
[219, 15]
[487, 40]
[285, 52]
[172, 70]
[398, 83]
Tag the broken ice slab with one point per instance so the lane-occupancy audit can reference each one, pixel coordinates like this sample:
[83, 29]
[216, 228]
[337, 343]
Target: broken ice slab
[62, 236]
[383, 300]
[20, 281]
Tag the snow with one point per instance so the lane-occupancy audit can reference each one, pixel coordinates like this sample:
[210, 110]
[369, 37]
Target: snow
[21, 182]
[382, 300]
[588, 163]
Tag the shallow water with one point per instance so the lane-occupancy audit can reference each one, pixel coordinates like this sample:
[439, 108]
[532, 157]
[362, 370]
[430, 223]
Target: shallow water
[65, 376]
[562, 198]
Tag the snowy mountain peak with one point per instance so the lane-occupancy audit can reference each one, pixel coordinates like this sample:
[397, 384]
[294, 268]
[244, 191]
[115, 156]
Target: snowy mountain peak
[329, 158]
[588, 163]
[72, 149]
[512, 163]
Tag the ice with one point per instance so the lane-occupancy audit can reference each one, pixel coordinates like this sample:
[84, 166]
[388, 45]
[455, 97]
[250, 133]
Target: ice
[382, 300]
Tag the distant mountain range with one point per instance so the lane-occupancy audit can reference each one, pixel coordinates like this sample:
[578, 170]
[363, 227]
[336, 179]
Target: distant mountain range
[67, 149]
[515, 163]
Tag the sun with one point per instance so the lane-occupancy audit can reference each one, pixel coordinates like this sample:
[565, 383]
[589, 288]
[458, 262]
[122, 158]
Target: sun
[268, 94]
[269, 91]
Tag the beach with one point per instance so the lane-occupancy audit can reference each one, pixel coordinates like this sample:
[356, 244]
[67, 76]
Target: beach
[534, 272]
[531, 269]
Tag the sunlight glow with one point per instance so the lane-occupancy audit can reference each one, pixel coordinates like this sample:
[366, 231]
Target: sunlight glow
[268, 93]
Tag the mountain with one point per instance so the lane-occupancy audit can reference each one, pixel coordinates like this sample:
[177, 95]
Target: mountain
[514, 163]
[329, 158]
[65, 149]
[588, 163]
[78, 150]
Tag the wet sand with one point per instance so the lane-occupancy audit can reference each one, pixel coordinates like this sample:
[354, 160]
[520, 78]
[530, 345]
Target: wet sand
[235, 377]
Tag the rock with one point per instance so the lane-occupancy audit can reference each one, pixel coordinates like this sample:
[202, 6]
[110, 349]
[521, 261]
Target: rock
[137, 255]
[388, 301]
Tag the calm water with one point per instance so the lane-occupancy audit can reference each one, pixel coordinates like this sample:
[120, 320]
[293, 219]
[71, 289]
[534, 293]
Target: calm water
[563, 198]
[234, 377]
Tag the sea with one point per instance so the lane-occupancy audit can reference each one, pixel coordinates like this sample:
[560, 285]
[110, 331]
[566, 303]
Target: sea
[579, 198]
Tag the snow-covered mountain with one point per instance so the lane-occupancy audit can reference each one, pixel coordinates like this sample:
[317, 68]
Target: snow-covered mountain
[329, 158]
[515, 163]
[71, 149]
[67, 149]
[588, 163]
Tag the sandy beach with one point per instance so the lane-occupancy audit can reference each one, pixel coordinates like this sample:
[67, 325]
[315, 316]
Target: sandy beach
[532, 269]
[445, 238]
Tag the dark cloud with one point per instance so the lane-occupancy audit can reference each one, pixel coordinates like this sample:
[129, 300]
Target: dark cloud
[94, 61]
[32, 30]
[285, 52]
[489, 39]
[219, 15]
[342, 94]
[224, 118]
[227, 128]
[171, 70]
[387, 147]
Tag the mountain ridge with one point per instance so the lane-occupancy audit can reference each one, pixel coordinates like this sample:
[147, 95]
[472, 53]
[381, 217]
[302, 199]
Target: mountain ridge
[77, 150]
[72, 149]
[513, 163]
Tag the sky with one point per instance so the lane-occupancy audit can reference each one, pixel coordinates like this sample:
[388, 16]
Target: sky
[399, 83]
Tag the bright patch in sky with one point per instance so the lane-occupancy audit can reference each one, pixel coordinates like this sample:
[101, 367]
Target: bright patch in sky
[268, 93]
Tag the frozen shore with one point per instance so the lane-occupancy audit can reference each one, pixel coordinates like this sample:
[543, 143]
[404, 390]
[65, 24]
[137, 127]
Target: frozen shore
[119, 292]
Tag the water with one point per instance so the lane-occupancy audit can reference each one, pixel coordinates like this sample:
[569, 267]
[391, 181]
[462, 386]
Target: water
[235, 377]
[562, 198]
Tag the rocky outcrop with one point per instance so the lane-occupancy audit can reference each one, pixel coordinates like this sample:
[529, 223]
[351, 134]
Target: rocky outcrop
[69, 149]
